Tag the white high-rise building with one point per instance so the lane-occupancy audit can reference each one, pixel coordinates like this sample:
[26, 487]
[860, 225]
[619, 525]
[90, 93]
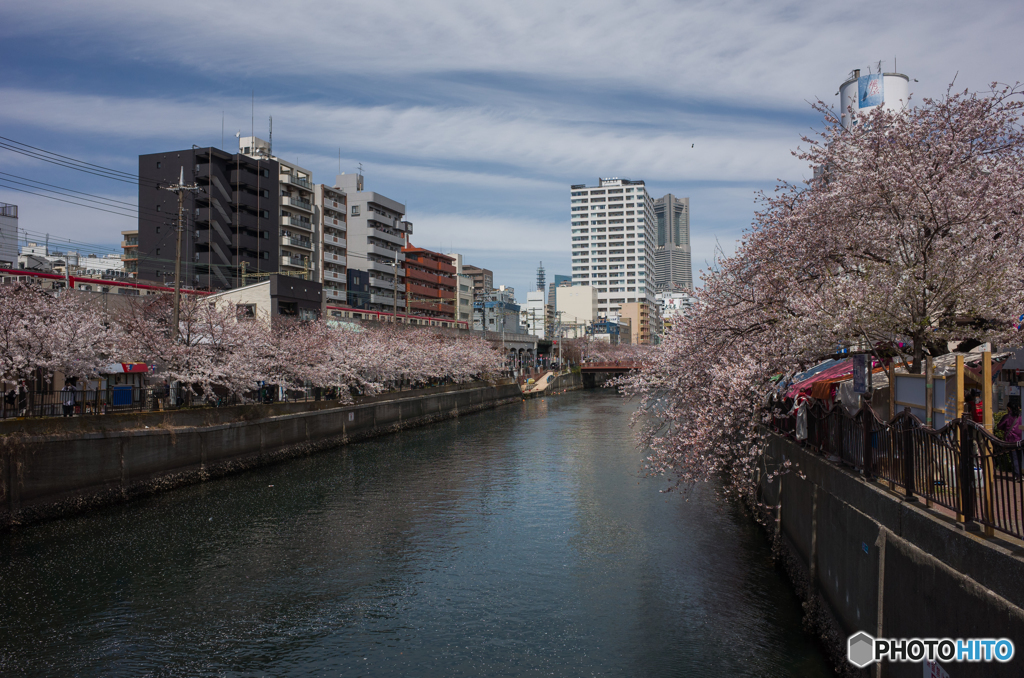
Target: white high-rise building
[613, 242]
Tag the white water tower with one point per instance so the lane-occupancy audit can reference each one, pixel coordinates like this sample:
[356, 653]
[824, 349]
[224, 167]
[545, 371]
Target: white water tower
[863, 93]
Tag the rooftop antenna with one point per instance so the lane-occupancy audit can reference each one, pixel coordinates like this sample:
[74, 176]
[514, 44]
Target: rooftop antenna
[879, 67]
[360, 169]
[540, 277]
[222, 130]
[252, 121]
[270, 143]
[339, 159]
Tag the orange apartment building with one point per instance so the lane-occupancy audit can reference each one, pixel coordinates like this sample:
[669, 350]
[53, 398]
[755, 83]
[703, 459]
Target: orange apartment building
[430, 283]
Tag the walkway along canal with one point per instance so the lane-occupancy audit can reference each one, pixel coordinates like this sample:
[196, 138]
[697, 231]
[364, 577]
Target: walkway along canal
[519, 541]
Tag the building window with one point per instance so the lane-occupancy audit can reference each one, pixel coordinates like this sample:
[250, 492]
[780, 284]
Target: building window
[355, 210]
[159, 164]
[290, 308]
[158, 251]
[245, 311]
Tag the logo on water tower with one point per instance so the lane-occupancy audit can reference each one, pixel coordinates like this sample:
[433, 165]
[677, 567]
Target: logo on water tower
[870, 91]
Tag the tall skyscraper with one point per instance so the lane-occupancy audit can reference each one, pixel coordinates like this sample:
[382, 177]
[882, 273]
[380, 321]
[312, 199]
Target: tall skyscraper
[613, 242]
[672, 269]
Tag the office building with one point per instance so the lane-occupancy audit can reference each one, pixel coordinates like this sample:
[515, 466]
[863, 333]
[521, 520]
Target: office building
[377, 232]
[613, 241]
[577, 308]
[672, 269]
[535, 314]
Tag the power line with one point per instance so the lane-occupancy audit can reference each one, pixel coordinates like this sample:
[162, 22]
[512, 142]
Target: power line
[57, 158]
[98, 199]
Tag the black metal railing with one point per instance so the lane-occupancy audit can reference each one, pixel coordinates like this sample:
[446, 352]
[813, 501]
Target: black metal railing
[78, 402]
[961, 466]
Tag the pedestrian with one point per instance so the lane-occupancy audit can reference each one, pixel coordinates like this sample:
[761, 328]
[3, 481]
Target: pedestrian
[1010, 426]
[22, 399]
[67, 398]
[10, 401]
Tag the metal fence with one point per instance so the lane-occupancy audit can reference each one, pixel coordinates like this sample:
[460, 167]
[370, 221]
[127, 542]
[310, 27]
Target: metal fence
[961, 466]
[30, 403]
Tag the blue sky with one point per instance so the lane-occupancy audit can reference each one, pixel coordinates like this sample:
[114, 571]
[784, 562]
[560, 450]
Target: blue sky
[477, 115]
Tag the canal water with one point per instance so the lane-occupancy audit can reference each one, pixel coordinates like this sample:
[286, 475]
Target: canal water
[522, 541]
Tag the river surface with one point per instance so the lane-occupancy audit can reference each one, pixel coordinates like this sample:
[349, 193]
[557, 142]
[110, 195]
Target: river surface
[522, 541]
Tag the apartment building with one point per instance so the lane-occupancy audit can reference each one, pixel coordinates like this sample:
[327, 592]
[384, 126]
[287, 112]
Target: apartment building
[298, 233]
[464, 291]
[639, 316]
[483, 279]
[613, 242]
[130, 253]
[231, 226]
[430, 282]
[672, 268]
[330, 210]
[377, 232]
[577, 308]
[8, 235]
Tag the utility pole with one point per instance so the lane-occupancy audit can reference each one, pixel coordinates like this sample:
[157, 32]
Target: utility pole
[181, 189]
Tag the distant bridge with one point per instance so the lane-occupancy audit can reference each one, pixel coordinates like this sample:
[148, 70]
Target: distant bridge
[618, 366]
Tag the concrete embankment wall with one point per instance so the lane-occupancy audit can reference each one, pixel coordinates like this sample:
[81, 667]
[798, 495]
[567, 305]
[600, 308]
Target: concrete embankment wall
[565, 382]
[865, 559]
[46, 475]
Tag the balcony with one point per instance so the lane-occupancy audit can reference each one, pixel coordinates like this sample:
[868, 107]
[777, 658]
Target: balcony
[335, 241]
[422, 291]
[388, 301]
[334, 276]
[384, 268]
[338, 295]
[382, 283]
[297, 222]
[384, 252]
[287, 200]
[381, 219]
[294, 262]
[381, 234]
[331, 258]
[296, 181]
[300, 243]
[412, 273]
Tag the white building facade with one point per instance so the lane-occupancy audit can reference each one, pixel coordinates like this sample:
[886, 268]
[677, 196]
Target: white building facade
[535, 314]
[331, 213]
[613, 241]
[298, 233]
[377, 232]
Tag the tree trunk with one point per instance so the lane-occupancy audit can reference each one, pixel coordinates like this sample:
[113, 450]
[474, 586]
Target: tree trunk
[915, 366]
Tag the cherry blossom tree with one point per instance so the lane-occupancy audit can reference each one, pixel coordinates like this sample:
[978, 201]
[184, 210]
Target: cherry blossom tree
[910, 231]
[48, 332]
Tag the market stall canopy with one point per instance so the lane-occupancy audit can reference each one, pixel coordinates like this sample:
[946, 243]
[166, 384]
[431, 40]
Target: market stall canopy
[127, 368]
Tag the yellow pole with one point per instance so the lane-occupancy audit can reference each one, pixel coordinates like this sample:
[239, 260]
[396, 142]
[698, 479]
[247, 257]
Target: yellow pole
[892, 390]
[986, 380]
[959, 386]
[959, 414]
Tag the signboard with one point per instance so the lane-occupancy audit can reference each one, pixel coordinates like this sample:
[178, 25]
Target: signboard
[860, 373]
[870, 90]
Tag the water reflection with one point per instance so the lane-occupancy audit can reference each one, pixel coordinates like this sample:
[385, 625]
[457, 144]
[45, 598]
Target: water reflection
[522, 541]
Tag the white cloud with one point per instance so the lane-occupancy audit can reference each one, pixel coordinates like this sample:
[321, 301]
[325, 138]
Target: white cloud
[764, 55]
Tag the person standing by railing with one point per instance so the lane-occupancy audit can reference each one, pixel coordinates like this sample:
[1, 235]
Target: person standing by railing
[1010, 426]
[67, 398]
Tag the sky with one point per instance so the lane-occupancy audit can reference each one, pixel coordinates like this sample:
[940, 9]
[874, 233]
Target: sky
[477, 115]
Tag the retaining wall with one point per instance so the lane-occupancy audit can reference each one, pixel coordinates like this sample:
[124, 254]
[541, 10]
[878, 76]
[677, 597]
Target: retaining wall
[865, 559]
[44, 476]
